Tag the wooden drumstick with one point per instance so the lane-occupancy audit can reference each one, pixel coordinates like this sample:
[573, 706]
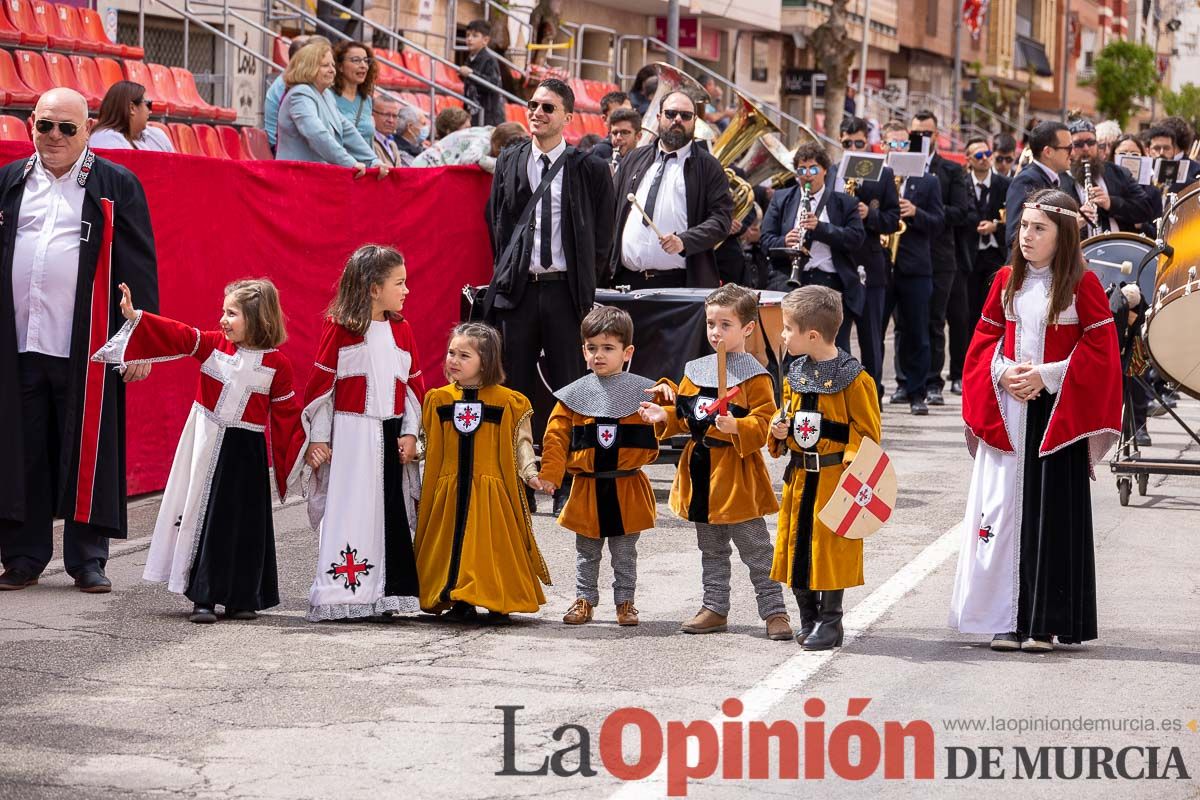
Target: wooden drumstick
[633, 199]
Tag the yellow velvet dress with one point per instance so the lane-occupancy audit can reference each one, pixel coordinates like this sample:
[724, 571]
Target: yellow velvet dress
[826, 561]
[474, 538]
[725, 482]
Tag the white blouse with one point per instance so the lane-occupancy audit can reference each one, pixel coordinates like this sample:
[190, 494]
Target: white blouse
[152, 138]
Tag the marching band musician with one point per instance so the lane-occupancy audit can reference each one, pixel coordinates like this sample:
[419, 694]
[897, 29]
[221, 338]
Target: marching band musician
[986, 242]
[1170, 139]
[1050, 143]
[831, 230]
[912, 275]
[1119, 204]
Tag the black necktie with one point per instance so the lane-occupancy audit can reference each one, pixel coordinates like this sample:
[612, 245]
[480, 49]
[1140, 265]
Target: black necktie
[547, 219]
[982, 201]
[652, 197]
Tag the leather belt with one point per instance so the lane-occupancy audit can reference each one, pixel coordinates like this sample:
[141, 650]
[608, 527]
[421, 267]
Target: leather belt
[811, 461]
[553, 275]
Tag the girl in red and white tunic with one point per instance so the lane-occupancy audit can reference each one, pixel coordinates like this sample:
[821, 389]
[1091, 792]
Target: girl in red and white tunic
[363, 403]
[1042, 404]
[214, 541]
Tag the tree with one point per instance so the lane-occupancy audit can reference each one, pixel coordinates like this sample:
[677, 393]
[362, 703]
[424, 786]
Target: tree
[1184, 103]
[1124, 71]
[835, 53]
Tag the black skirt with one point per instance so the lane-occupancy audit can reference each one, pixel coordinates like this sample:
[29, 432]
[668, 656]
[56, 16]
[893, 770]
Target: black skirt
[400, 563]
[235, 557]
[1058, 559]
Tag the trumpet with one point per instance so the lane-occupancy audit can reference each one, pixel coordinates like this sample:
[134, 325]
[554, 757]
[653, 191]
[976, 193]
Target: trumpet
[800, 251]
[891, 241]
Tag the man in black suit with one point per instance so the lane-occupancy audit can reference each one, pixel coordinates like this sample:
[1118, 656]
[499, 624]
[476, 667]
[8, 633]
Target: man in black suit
[1170, 139]
[683, 188]
[1118, 200]
[912, 275]
[879, 210]
[986, 242]
[546, 271]
[951, 262]
[831, 229]
[1051, 145]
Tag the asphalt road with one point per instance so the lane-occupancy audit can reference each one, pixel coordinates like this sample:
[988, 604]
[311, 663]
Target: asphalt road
[118, 695]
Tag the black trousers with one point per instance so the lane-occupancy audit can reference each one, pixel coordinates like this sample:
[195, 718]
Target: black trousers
[958, 318]
[979, 283]
[939, 301]
[29, 545]
[815, 277]
[546, 324]
[911, 297]
[870, 333]
[651, 279]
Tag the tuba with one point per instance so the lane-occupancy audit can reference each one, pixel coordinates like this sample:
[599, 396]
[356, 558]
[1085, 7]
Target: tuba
[672, 79]
[744, 137]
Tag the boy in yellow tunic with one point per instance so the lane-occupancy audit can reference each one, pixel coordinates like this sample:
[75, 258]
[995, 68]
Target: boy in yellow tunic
[829, 405]
[596, 434]
[722, 484]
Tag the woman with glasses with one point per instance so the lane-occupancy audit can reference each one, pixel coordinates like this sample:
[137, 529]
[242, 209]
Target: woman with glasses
[124, 122]
[310, 126]
[354, 85]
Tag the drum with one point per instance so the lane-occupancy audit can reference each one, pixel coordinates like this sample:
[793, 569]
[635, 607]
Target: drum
[1172, 327]
[1115, 257]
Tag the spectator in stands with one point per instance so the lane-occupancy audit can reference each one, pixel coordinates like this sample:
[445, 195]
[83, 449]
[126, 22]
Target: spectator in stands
[412, 133]
[354, 85]
[645, 84]
[310, 126]
[450, 120]
[277, 88]
[507, 133]
[466, 146]
[482, 63]
[386, 110]
[608, 104]
[122, 124]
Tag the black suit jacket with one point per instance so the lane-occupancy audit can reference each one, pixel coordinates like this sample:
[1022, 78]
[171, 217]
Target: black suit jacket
[1029, 180]
[883, 217]
[997, 196]
[1193, 175]
[114, 206]
[587, 202]
[1128, 205]
[843, 233]
[915, 256]
[950, 250]
[709, 209]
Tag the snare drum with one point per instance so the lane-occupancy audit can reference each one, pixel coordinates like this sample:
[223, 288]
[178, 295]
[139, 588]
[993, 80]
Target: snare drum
[1172, 327]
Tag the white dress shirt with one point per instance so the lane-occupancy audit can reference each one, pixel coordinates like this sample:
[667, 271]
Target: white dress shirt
[990, 240]
[1051, 174]
[554, 197]
[820, 256]
[46, 260]
[151, 139]
[640, 249]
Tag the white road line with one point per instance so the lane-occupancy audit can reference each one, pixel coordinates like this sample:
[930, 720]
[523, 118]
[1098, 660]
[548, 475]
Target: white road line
[792, 674]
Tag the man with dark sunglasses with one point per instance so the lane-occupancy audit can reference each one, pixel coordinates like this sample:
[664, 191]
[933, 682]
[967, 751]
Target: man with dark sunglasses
[1004, 155]
[986, 243]
[73, 227]
[1051, 146]
[683, 189]
[1116, 202]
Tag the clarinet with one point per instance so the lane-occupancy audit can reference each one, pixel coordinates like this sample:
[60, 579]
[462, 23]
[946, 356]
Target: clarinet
[1090, 230]
[797, 260]
[615, 162]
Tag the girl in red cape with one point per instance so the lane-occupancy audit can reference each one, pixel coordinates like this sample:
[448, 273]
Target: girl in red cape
[1041, 404]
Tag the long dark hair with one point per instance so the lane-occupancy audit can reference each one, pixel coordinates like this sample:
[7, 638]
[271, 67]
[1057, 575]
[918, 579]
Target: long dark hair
[1066, 268]
[114, 110]
[367, 87]
[368, 266]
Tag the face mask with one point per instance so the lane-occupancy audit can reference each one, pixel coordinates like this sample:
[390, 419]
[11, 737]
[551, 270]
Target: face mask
[423, 134]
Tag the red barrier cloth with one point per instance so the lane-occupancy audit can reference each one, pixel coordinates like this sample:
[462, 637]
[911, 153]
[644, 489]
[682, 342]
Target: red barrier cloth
[216, 221]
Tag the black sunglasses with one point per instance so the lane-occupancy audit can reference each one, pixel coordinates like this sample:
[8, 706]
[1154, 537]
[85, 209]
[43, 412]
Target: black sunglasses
[1005, 159]
[67, 129]
[1082, 143]
[686, 116]
[149, 104]
[547, 108]
[854, 144]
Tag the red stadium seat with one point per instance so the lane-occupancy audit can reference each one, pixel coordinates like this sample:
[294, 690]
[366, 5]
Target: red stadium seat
[594, 123]
[257, 145]
[163, 127]
[110, 73]
[516, 113]
[185, 85]
[20, 13]
[574, 130]
[421, 101]
[185, 139]
[16, 90]
[393, 78]
[93, 29]
[448, 77]
[13, 129]
[164, 84]
[232, 143]
[583, 102]
[418, 63]
[210, 141]
[63, 74]
[32, 69]
[48, 18]
[71, 25]
[139, 72]
[279, 51]
[88, 76]
[9, 35]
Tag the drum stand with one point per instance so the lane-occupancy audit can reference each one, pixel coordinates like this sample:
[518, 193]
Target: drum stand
[1128, 464]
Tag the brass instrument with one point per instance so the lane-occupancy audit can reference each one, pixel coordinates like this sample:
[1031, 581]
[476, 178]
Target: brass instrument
[851, 187]
[891, 241]
[799, 251]
[671, 79]
[745, 130]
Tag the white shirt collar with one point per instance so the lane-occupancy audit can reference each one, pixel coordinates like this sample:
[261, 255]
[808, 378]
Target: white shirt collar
[680, 154]
[985, 182]
[71, 175]
[554, 153]
[1051, 174]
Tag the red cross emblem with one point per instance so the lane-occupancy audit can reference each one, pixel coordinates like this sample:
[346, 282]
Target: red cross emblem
[807, 428]
[985, 534]
[349, 569]
[467, 416]
[606, 435]
[864, 496]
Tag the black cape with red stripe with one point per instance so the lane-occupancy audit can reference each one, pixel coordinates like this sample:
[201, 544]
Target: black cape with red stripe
[91, 478]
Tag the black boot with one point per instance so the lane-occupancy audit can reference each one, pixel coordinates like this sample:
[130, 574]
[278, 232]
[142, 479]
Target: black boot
[807, 600]
[829, 633]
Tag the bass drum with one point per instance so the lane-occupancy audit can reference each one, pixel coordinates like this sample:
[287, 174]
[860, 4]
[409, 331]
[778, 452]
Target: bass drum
[1172, 327]
[1115, 258]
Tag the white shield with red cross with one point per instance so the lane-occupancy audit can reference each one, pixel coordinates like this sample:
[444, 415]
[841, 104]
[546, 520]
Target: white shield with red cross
[865, 495]
[702, 404]
[606, 435]
[806, 428]
[467, 416]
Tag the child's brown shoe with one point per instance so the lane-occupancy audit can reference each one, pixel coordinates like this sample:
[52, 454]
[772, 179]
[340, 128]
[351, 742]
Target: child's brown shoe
[579, 612]
[779, 627]
[627, 614]
[705, 621]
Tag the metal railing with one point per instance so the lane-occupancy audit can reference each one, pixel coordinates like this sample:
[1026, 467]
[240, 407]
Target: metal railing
[581, 61]
[490, 6]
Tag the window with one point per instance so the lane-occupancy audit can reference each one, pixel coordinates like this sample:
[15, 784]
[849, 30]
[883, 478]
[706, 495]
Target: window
[1025, 18]
[931, 17]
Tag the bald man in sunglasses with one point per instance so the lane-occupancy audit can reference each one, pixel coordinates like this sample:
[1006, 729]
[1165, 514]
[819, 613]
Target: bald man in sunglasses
[72, 228]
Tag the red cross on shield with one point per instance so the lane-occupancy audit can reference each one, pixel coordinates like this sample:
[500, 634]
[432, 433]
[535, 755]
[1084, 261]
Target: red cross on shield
[806, 428]
[467, 416]
[865, 495]
[606, 435]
